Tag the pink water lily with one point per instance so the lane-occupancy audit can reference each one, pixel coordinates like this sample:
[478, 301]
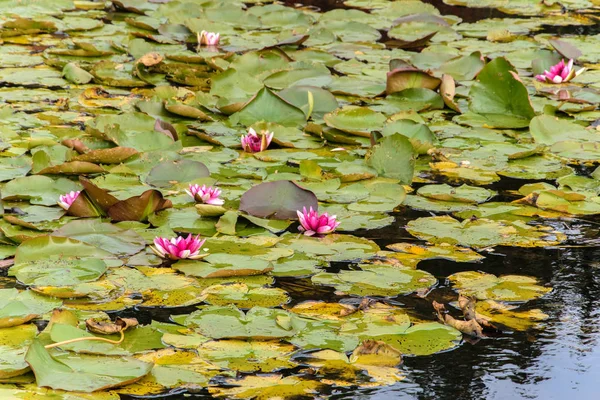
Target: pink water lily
[208, 38]
[66, 200]
[253, 143]
[559, 73]
[206, 194]
[312, 223]
[178, 248]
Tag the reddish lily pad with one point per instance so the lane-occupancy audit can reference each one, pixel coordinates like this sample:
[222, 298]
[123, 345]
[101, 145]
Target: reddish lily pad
[277, 200]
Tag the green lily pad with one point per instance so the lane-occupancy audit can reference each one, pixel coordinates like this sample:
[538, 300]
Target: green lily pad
[104, 236]
[59, 271]
[356, 120]
[83, 373]
[482, 232]
[424, 339]
[464, 68]
[463, 194]
[248, 356]
[333, 247]
[223, 265]
[393, 157]
[419, 135]
[323, 102]
[410, 254]
[38, 189]
[240, 295]
[500, 97]
[504, 288]
[549, 130]
[17, 308]
[269, 107]
[220, 322]
[173, 368]
[377, 280]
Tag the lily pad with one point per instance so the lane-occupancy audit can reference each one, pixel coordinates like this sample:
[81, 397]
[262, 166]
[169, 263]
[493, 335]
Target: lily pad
[268, 106]
[377, 280]
[500, 97]
[463, 194]
[483, 232]
[423, 339]
[248, 356]
[83, 373]
[220, 322]
[359, 121]
[393, 157]
[240, 295]
[17, 308]
[504, 288]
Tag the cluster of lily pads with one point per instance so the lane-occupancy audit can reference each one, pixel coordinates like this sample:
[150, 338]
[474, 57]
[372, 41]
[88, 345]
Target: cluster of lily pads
[120, 111]
[311, 223]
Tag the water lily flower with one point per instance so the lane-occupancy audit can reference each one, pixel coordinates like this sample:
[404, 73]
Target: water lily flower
[312, 223]
[178, 248]
[66, 200]
[253, 143]
[208, 38]
[559, 73]
[206, 195]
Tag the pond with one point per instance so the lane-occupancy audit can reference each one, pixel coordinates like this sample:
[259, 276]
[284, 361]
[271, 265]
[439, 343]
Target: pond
[163, 190]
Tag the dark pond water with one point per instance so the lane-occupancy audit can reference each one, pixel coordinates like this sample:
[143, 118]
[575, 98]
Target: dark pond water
[559, 362]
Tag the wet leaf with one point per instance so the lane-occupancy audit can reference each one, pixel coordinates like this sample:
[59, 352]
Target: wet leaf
[423, 339]
[73, 73]
[267, 386]
[482, 232]
[240, 295]
[104, 236]
[506, 315]
[248, 356]
[377, 280]
[220, 322]
[504, 288]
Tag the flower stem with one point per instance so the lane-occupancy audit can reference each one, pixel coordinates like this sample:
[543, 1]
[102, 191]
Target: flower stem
[82, 339]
